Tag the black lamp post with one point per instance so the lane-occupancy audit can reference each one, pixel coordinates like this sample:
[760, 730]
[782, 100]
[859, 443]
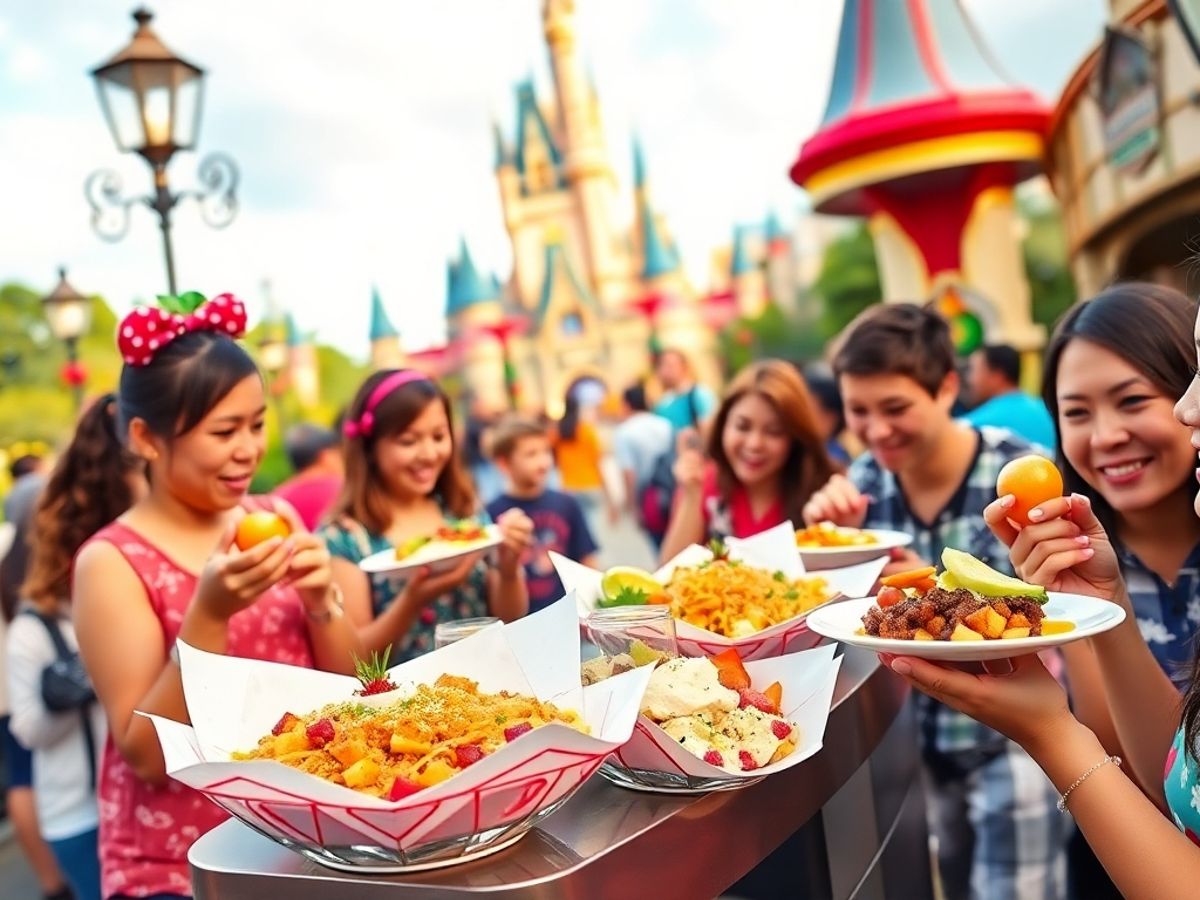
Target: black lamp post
[152, 101]
[69, 315]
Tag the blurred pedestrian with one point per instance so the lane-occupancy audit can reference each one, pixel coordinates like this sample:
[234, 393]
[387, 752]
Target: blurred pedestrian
[644, 448]
[316, 457]
[994, 388]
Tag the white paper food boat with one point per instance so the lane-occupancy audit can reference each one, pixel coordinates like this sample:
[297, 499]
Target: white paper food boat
[773, 550]
[233, 702]
[653, 761]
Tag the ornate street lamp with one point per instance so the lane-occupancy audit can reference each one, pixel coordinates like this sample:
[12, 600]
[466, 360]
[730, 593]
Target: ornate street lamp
[152, 100]
[69, 315]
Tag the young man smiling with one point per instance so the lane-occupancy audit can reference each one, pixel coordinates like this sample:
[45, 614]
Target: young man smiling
[999, 833]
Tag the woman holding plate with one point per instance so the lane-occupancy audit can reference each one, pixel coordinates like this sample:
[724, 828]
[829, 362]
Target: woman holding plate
[1067, 548]
[765, 458]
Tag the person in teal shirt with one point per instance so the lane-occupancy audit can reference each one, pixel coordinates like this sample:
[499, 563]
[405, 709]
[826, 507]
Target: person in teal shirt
[684, 403]
[993, 380]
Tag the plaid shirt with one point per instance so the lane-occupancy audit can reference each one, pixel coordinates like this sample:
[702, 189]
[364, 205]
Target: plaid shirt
[959, 525]
[1168, 615]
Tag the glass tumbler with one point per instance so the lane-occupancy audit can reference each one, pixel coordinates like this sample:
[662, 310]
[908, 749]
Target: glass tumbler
[644, 633]
[448, 632]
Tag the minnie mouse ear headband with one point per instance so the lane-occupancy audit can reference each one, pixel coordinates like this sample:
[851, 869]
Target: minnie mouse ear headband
[146, 330]
[365, 423]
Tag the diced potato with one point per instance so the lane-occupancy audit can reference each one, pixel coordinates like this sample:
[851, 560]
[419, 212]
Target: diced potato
[1015, 633]
[349, 753]
[435, 771]
[362, 773]
[978, 620]
[935, 625]
[995, 624]
[291, 742]
[963, 633]
[1001, 607]
[400, 744]
[922, 635]
[1019, 620]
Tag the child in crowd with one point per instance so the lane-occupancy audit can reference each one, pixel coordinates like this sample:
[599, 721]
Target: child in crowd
[522, 451]
[766, 456]
[1067, 548]
[93, 482]
[580, 456]
[1114, 367]
[404, 479]
[191, 408]
[993, 813]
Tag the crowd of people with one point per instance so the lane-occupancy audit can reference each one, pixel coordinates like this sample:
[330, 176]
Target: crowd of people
[127, 543]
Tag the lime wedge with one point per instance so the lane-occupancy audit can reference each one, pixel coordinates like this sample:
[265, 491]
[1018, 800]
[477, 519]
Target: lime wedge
[627, 581]
[970, 573]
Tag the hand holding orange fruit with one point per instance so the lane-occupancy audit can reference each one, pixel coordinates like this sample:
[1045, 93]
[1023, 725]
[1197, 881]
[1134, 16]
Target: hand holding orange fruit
[1032, 480]
[259, 526]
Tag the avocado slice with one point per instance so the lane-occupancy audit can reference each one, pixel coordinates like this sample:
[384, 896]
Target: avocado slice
[964, 570]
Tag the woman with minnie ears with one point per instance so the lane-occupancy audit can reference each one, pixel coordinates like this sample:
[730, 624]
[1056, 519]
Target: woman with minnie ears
[190, 403]
[1147, 855]
[404, 479]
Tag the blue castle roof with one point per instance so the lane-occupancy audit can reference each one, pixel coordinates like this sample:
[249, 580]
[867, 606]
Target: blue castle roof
[381, 325]
[740, 262]
[464, 285]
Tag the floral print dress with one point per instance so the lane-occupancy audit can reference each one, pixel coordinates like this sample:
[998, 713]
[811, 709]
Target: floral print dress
[352, 541]
[1181, 786]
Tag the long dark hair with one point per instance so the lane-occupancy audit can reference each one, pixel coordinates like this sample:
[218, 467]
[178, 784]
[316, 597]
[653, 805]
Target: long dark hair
[1151, 327]
[1147, 325]
[568, 425]
[186, 379]
[363, 498]
[88, 488]
[807, 466]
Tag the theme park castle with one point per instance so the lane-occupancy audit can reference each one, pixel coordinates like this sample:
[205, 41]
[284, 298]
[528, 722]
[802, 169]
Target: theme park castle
[589, 296]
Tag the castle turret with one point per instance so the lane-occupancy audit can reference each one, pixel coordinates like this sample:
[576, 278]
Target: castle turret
[303, 374]
[385, 339]
[473, 306]
[746, 277]
[780, 282]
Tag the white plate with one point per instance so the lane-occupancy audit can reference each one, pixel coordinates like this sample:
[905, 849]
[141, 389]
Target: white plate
[1091, 616]
[816, 558]
[438, 555]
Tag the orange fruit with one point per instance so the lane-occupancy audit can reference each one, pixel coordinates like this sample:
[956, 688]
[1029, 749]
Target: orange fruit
[257, 527]
[1032, 480]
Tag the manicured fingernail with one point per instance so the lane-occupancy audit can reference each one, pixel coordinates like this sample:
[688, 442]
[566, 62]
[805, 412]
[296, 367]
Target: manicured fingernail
[1035, 514]
[1088, 553]
[1081, 499]
[901, 667]
[1007, 501]
[1083, 540]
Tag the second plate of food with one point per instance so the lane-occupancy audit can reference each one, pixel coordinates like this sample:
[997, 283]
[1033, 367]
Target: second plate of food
[828, 546]
[439, 551]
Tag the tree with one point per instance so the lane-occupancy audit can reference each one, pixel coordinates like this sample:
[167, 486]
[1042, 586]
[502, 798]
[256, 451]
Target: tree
[849, 280]
[1052, 289]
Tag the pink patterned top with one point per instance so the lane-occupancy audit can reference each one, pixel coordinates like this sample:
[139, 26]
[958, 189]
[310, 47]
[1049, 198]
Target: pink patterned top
[145, 831]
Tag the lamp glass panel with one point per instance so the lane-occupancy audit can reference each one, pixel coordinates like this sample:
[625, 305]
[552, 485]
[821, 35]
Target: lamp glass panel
[68, 318]
[120, 102]
[187, 109]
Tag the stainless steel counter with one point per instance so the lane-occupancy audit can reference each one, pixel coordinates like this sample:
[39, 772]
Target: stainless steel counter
[852, 818]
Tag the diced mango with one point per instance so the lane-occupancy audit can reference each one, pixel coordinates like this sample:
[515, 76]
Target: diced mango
[291, 742]
[995, 624]
[362, 773]
[400, 744]
[1010, 633]
[978, 620]
[963, 633]
[1001, 607]
[922, 635]
[435, 771]
[1019, 620]
[349, 753]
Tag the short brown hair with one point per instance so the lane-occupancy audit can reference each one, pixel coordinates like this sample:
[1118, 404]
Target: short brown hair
[897, 339]
[363, 498]
[808, 465]
[510, 431]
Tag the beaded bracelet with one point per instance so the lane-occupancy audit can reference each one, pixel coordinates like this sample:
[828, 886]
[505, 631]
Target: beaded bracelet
[1062, 801]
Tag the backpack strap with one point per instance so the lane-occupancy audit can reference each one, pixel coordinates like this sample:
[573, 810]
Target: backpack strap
[693, 410]
[64, 653]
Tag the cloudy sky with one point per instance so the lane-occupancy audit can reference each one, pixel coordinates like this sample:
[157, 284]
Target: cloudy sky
[362, 130]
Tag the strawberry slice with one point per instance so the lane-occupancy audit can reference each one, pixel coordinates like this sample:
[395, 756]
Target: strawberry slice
[781, 729]
[320, 732]
[757, 699]
[747, 761]
[515, 731]
[467, 754]
[285, 723]
[401, 788]
[714, 758]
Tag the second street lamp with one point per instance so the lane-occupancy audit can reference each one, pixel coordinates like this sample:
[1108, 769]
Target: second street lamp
[152, 100]
[69, 314]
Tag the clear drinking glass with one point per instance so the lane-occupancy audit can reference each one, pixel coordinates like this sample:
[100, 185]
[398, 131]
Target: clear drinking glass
[448, 632]
[645, 633]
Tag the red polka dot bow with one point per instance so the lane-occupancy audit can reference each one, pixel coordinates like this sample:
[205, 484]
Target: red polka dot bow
[148, 329]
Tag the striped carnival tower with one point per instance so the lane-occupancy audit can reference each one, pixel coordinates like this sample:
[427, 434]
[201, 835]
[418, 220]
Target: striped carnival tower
[926, 137]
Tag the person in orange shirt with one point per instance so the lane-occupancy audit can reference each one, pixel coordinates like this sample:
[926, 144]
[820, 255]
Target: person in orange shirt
[579, 453]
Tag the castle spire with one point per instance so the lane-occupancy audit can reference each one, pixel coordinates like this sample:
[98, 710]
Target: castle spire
[464, 285]
[639, 165]
[381, 325]
[657, 256]
[740, 262]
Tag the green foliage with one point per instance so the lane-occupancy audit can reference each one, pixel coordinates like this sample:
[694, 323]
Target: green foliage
[1045, 250]
[849, 280]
